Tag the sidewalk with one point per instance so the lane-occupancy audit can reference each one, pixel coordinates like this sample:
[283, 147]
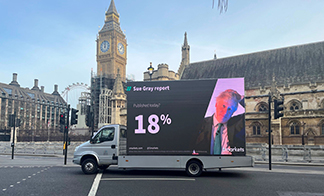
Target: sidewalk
[22, 160]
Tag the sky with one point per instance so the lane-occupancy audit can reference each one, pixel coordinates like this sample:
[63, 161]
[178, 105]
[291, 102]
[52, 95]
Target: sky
[54, 41]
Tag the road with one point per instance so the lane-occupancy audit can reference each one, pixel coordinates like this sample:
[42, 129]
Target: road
[48, 176]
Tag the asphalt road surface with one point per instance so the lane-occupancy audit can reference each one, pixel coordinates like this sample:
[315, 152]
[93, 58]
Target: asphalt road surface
[48, 176]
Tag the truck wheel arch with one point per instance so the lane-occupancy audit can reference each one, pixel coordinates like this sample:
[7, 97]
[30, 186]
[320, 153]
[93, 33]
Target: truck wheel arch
[84, 157]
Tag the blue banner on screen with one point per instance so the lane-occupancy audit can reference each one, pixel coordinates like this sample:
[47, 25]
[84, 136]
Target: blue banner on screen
[190, 117]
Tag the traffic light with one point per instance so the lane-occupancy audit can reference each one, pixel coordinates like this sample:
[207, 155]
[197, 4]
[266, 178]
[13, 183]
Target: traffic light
[18, 122]
[278, 106]
[74, 116]
[12, 120]
[62, 119]
[89, 119]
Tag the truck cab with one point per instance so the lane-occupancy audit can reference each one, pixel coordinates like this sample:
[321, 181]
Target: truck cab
[102, 149]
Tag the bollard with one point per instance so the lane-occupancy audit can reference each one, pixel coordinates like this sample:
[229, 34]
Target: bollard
[263, 153]
[285, 154]
[307, 154]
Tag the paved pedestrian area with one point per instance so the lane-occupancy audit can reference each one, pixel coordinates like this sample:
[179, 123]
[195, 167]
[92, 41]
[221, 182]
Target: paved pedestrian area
[6, 160]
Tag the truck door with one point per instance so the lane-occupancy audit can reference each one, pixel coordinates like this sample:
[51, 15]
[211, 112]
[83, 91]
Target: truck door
[104, 144]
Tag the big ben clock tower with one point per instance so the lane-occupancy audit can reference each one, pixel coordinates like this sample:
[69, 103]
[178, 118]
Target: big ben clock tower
[111, 47]
[111, 64]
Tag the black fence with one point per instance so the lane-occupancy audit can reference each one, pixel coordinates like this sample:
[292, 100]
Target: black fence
[43, 135]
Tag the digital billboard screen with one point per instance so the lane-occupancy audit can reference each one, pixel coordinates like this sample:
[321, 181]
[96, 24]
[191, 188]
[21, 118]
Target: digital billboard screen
[186, 117]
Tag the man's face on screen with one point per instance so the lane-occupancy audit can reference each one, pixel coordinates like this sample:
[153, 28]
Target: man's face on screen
[225, 107]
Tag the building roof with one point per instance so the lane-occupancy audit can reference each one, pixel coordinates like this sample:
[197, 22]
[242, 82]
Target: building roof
[118, 86]
[33, 95]
[111, 23]
[295, 64]
[112, 8]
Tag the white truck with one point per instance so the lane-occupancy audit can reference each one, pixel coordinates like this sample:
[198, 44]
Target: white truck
[165, 124]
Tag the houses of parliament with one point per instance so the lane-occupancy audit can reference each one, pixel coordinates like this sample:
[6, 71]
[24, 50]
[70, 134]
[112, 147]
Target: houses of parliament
[295, 73]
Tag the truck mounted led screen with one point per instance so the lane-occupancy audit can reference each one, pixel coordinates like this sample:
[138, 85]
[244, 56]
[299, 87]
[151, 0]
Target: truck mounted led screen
[186, 117]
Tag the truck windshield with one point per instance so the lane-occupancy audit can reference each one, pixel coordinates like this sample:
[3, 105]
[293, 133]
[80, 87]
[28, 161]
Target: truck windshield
[106, 134]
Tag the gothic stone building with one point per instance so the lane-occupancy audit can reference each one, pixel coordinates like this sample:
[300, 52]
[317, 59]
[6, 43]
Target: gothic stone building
[294, 73]
[38, 111]
[163, 72]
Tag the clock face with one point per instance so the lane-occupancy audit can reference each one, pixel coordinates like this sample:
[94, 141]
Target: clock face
[121, 49]
[104, 47]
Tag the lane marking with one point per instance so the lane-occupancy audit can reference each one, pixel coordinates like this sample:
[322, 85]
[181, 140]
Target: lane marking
[149, 179]
[95, 185]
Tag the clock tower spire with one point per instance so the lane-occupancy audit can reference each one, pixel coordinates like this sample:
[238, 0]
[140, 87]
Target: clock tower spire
[111, 46]
[111, 68]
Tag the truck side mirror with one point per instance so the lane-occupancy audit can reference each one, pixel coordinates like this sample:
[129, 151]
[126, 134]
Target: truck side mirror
[91, 141]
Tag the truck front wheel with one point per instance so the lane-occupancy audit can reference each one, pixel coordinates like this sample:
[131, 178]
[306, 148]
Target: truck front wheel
[89, 166]
[194, 168]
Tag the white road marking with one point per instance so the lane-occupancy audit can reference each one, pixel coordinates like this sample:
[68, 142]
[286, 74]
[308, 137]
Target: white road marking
[18, 182]
[150, 179]
[95, 185]
[24, 179]
[4, 189]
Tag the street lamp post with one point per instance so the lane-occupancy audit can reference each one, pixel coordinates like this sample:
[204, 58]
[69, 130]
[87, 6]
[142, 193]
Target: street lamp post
[303, 134]
[150, 70]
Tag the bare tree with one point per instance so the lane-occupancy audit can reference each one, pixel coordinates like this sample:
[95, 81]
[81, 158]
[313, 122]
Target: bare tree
[222, 5]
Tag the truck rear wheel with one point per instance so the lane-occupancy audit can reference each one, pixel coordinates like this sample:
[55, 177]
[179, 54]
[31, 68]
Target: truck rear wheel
[89, 166]
[194, 168]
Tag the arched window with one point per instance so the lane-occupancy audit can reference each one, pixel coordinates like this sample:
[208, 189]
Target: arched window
[262, 107]
[256, 128]
[294, 128]
[295, 105]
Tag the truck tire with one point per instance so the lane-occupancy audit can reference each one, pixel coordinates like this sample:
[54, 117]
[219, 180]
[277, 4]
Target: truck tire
[194, 168]
[89, 166]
